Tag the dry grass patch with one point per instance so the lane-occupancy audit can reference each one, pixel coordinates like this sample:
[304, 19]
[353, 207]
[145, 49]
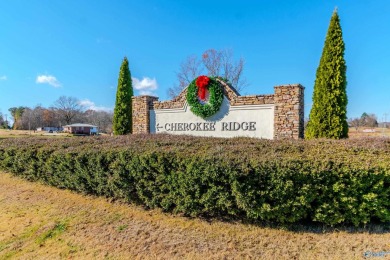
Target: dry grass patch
[40, 222]
[364, 132]
[353, 133]
[26, 133]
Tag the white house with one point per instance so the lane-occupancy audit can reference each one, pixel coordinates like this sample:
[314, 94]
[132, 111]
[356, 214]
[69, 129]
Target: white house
[84, 129]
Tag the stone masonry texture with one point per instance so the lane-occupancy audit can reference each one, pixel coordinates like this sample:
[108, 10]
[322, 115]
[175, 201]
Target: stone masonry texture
[141, 117]
[288, 101]
[289, 111]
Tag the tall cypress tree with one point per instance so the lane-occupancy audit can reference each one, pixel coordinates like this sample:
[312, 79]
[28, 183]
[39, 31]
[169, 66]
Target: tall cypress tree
[122, 122]
[328, 115]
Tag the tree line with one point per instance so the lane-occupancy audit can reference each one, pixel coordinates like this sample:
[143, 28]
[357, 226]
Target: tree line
[65, 111]
[366, 120]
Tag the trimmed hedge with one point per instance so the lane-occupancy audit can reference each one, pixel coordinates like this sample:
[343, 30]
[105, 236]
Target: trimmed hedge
[331, 182]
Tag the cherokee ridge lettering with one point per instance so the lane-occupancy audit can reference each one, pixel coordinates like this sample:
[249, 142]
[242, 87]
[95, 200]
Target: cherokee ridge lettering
[235, 126]
[207, 126]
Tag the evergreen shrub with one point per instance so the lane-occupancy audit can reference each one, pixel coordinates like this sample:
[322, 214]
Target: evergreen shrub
[122, 120]
[328, 115]
[281, 181]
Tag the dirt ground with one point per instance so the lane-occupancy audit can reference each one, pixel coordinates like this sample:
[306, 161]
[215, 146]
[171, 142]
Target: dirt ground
[40, 222]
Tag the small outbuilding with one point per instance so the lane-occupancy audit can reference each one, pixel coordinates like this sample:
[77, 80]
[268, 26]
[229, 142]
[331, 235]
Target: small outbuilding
[81, 129]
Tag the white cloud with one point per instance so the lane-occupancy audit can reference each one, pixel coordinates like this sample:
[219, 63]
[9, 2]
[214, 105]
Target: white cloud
[48, 79]
[145, 86]
[4, 77]
[88, 104]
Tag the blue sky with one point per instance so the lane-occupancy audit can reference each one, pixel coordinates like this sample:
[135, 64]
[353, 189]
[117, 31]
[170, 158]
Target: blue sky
[50, 48]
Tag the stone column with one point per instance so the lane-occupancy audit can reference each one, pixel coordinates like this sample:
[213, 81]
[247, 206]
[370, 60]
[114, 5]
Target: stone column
[289, 111]
[141, 106]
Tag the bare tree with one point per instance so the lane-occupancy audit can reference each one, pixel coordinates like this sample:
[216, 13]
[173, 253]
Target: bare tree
[189, 69]
[25, 119]
[215, 63]
[102, 119]
[231, 70]
[38, 115]
[366, 120]
[355, 122]
[212, 60]
[32, 118]
[369, 120]
[50, 118]
[67, 108]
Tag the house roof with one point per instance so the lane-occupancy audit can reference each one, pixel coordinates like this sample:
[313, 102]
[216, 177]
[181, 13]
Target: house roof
[80, 125]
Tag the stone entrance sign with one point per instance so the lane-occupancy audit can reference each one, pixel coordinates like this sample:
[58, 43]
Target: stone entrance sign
[230, 121]
[262, 116]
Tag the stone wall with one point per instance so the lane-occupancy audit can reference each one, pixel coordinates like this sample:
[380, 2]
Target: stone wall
[289, 111]
[287, 99]
[252, 100]
[141, 117]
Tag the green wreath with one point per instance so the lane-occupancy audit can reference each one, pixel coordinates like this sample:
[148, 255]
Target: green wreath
[212, 105]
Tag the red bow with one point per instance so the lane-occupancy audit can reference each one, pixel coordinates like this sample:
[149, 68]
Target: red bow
[201, 83]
